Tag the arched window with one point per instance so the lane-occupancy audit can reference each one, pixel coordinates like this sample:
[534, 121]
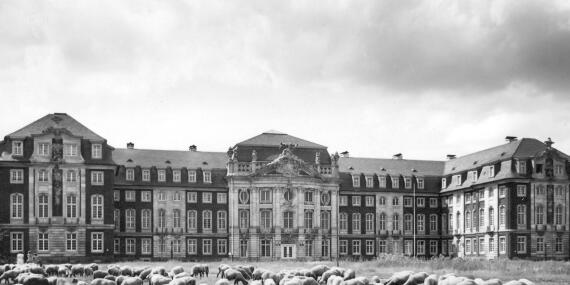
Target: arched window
[222, 218]
[145, 219]
[467, 220]
[420, 223]
[481, 218]
[407, 222]
[43, 211]
[325, 220]
[97, 207]
[343, 221]
[395, 222]
[539, 215]
[207, 220]
[395, 201]
[382, 200]
[369, 222]
[502, 215]
[382, 220]
[558, 215]
[521, 215]
[308, 215]
[491, 216]
[192, 220]
[161, 218]
[356, 223]
[176, 218]
[243, 219]
[433, 223]
[130, 217]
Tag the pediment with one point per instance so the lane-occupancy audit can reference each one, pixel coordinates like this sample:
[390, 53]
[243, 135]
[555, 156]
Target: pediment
[287, 164]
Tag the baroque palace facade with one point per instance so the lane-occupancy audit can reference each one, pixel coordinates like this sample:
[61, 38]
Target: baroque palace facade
[68, 195]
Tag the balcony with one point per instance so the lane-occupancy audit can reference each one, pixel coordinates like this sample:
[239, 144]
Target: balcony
[267, 230]
[490, 229]
[396, 232]
[560, 228]
[382, 232]
[540, 227]
[43, 221]
[71, 220]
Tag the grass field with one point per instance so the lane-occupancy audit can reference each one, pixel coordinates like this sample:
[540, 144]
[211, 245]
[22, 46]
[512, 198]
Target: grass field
[541, 272]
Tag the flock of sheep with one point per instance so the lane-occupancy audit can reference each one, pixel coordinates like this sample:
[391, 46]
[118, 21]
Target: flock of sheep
[33, 274]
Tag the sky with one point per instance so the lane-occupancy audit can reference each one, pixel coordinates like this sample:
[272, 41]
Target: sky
[375, 78]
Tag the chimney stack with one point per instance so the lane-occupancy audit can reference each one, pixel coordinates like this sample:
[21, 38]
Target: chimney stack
[130, 145]
[510, 138]
[345, 153]
[193, 148]
[450, 156]
[398, 156]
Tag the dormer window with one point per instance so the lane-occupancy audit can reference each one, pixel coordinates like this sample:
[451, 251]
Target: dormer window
[43, 149]
[161, 175]
[97, 151]
[146, 175]
[191, 176]
[17, 148]
[408, 182]
[207, 177]
[457, 179]
[521, 167]
[473, 175]
[420, 182]
[176, 175]
[395, 182]
[130, 174]
[355, 180]
[443, 183]
[70, 150]
[559, 169]
[492, 171]
[369, 182]
[382, 181]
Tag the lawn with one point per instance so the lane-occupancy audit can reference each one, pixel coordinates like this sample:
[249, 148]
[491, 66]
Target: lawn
[541, 272]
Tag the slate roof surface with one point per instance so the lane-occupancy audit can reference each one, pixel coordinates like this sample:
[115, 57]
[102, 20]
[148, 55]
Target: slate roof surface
[57, 121]
[275, 138]
[177, 158]
[382, 166]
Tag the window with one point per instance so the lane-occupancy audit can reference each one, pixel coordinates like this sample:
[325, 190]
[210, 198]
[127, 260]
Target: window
[355, 223]
[222, 221]
[475, 246]
[192, 197]
[130, 245]
[502, 215]
[443, 247]
[68, 149]
[467, 198]
[473, 176]
[207, 220]
[97, 207]
[43, 175]
[97, 242]
[457, 179]
[71, 176]
[382, 181]
[17, 242]
[176, 175]
[521, 215]
[192, 246]
[43, 242]
[369, 181]
[308, 248]
[540, 244]
[161, 196]
[130, 217]
[382, 246]
[96, 151]
[382, 221]
[558, 244]
[308, 197]
[481, 218]
[343, 221]
[222, 246]
[343, 247]
[207, 197]
[192, 220]
[43, 211]
[382, 201]
[369, 201]
[161, 175]
[325, 247]
[421, 247]
[369, 247]
[288, 220]
[521, 244]
[356, 200]
[43, 149]
[130, 174]
[407, 202]
[369, 222]
[176, 218]
[355, 180]
[325, 220]
[420, 182]
[97, 178]
[265, 196]
[130, 196]
[443, 183]
[207, 177]
[433, 247]
[521, 190]
[146, 219]
[408, 247]
[491, 171]
[207, 246]
[244, 219]
[468, 246]
[491, 244]
[395, 222]
[395, 201]
[433, 202]
[558, 215]
[502, 244]
[146, 175]
[467, 220]
[407, 222]
[559, 169]
[408, 182]
[16, 176]
[17, 148]
[481, 245]
[71, 206]
[421, 202]
[355, 247]
[71, 241]
[343, 200]
[539, 215]
[146, 246]
[177, 196]
[433, 223]
[521, 167]
[117, 218]
[420, 223]
[308, 219]
[192, 176]
[395, 182]
[176, 246]
[161, 218]
[266, 219]
[146, 196]
[243, 248]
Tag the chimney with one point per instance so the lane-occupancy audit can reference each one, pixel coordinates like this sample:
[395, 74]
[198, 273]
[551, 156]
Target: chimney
[345, 153]
[193, 148]
[451, 156]
[398, 156]
[130, 145]
[510, 138]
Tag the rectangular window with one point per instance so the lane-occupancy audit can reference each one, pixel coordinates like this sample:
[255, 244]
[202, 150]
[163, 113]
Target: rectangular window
[206, 197]
[17, 148]
[130, 196]
[369, 182]
[491, 171]
[408, 182]
[420, 183]
[443, 183]
[207, 247]
[161, 196]
[176, 246]
[473, 175]
[192, 246]
[421, 202]
[161, 175]
[176, 196]
[559, 169]
[222, 198]
[207, 177]
[502, 245]
[355, 247]
[421, 247]
[96, 151]
[521, 244]
[192, 197]
[116, 195]
[222, 247]
[502, 191]
[43, 149]
[308, 248]
[69, 149]
[382, 246]
[356, 181]
[130, 174]
[356, 200]
[325, 247]
[71, 241]
[395, 182]
[343, 247]
[491, 244]
[71, 206]
[146, 246]
[433, 247]
[343, 200]
[146, 175]
[369, 247]
[309, 197]
[558, 244]
[521, 190]
[433, 202]
[97, 178]
[475, 246]
[521, 167]
[43, 208]
[191, 175]
[16, 176]
[71, 176]
[382, 181]
[369, 201]
[97, 242]
[540, 244]
[407, 202]
[146, 196]
[243, 248]
[468, 246]
[43, 242]
[116, 246]
[17, 242]
[43, 175]
[408, 247]
[457, 179]
[130, 245]
[176, 175]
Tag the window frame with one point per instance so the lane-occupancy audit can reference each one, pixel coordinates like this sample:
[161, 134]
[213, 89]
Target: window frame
[97, 151]
[97, 242]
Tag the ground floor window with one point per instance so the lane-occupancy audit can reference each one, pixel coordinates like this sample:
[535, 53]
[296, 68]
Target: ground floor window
[491, 244]
[146, 246]
[481, 245]
[243, 248]
[325, 247]
[130, 246]
[521, 244]
[17, 242]
[355, 247]
[421, 247]
[207, 246]
[222, 247]
[369, 247]
[475, 246]
[408, 246]
[444, 247]
[192, 246]
[116, 246]
[308, 248]
[343, 247]
[433, 247]
[382, 246]
[502, 244]
[540, 244]
[176, 246]
[468, 246]
[266, 248]
[96, 242]
[71, 241]
[558, 244]
[43, 242]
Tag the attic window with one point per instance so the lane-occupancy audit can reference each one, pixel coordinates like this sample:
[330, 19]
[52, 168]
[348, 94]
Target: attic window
[453, 168]
[351, 168]
[475, 162]
[383, 169]
[167, 162]
[414, 170]
[204, 163]
[503, 153]
[129, 160]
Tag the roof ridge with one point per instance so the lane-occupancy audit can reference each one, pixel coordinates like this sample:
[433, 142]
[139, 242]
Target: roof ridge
[171, 150]
[378, 158]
